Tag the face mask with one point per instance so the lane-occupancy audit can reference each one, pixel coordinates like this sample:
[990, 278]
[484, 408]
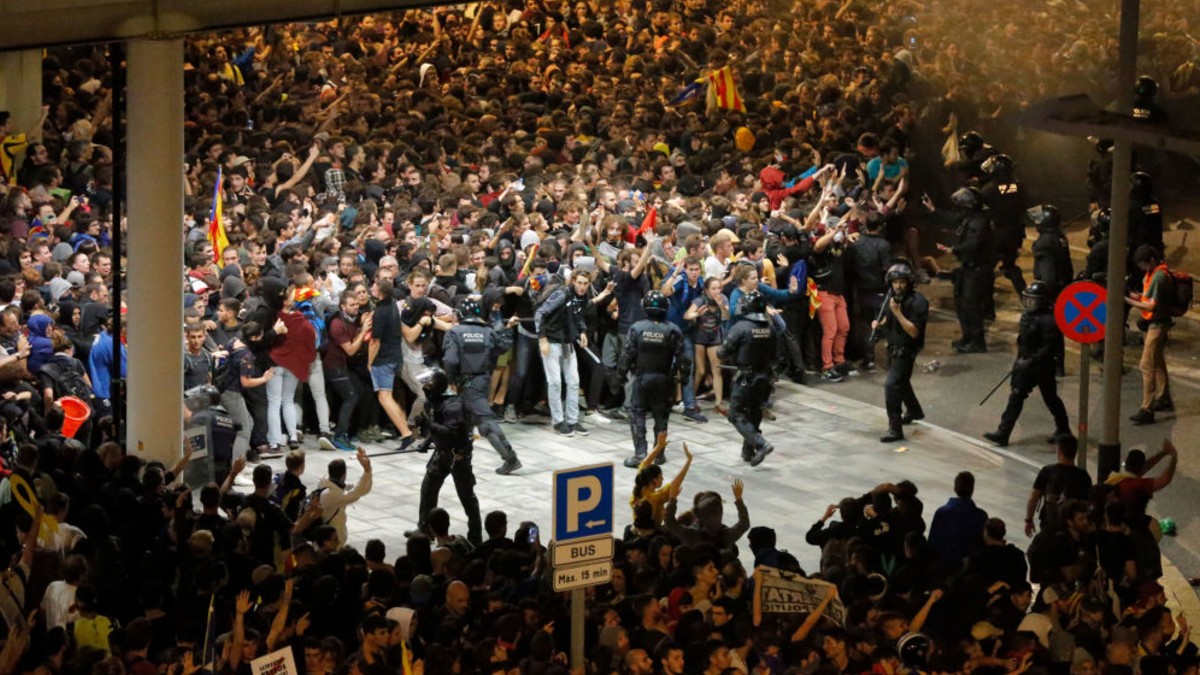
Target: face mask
[553, 266]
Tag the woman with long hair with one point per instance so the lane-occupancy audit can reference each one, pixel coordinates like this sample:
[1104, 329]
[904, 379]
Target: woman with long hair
[648, 485]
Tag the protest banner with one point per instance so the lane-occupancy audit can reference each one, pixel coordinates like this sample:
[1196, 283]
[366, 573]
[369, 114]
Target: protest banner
[279, 662]
[781, 592]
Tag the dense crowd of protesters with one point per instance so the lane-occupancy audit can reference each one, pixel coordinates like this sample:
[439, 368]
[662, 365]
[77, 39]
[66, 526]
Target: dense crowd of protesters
[377, 171]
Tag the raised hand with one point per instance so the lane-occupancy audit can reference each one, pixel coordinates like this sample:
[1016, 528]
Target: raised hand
[738, 487]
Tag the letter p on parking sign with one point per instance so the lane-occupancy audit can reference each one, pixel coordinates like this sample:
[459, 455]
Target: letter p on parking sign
[583, 502]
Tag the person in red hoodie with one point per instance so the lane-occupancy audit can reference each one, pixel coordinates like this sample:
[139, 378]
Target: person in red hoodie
[294, 351]
[772, 177]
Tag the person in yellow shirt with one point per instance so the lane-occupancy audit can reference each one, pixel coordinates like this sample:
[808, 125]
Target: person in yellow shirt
[91, 629]
[13, 144]
[649, 486]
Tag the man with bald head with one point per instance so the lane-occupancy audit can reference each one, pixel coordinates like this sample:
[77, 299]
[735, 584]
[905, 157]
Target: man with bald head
[458, 600]
[637, 662]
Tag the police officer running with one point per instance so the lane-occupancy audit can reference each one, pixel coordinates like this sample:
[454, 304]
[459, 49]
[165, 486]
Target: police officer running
[471, 349]
[751, 344]
[447, 427]
[656, 355]
[973, 278]
[903, 325]
[1037, 343]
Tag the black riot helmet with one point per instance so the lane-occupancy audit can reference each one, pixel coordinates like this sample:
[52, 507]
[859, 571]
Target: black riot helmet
[655, 305]
[1000, 166]
[970, 142]
[1045, 217]
[471, 311]
[901, 270]
[754, 306]
[967, 198]
[914, 651]
[434, 382]
[210, 395]
[1141, 184]
[1145, 89]
[1036, 295]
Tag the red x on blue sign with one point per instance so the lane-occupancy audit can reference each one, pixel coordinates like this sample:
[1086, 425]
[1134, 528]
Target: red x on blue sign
[1080, 311]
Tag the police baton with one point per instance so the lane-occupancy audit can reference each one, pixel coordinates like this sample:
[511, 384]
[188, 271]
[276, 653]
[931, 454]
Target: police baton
[998, 385]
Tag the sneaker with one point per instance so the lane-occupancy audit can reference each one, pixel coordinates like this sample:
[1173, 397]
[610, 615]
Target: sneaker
[508, 466]
[407, 444]
[846, 369]
[868, 366]
[597, 417]
[579, 429]
[615, 414]
[541, 409]
[384, 434]
[342, 442]
[294, 444]
[678, 408]
[832, 375]
[761, 454]
[273, 452]
[510, 413]
[564, 430]
[694, 415]
[368, 435]
[1143, 416]
[325, 441]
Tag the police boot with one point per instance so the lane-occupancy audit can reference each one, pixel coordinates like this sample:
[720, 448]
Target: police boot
[511, 463]
[912, 416]
[636, 461]
[1060, 434]
[761, 454]
[1000, 435]
[895, 431]
[747, 451]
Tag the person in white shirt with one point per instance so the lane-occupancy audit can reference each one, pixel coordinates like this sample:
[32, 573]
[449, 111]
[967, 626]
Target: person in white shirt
[722, 244]
[58, 603]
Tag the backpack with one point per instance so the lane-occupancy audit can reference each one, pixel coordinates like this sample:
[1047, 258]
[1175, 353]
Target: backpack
[312, 499]
[68, 380]
[1180, 296]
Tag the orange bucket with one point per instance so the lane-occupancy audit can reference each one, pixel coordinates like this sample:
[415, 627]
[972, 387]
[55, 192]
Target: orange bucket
[75, 412]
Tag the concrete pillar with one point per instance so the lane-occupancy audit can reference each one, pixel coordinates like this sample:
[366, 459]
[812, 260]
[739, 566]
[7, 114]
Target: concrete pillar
[21, 91]
[154, 161]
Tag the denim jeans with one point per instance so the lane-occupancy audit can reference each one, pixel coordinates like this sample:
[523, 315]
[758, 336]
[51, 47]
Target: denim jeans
[316, 387]
[558, 363]
[281, 397]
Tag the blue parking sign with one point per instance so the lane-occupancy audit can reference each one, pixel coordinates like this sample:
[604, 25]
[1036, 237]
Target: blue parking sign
[583, 502]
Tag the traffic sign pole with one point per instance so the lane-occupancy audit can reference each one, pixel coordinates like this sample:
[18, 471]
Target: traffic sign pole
[577, 607]
[1081, 312]
[1085, 376]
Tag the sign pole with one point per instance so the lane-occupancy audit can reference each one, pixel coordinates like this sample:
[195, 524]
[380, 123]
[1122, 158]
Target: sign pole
[1085, 376]
[577, 607]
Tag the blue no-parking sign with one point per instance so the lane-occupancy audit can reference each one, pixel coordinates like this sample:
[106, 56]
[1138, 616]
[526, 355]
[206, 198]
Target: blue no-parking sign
[1080, 311]
[583, 502]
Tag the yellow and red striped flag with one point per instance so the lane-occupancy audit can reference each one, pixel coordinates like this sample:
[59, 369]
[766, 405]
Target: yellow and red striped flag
[722, 92]
[216, 222]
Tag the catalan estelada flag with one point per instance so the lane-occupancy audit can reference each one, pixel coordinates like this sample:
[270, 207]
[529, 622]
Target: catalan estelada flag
[216, 222]
[689, 92]
[722, 93]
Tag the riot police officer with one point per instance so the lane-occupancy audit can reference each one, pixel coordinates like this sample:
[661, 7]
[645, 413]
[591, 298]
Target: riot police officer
[1036, 346]
[1005, 198]
[1096, 265]
[972, 153]
[222, 430]
[1051, 261]
[903, 324]
[1145, 215]
[1145, 107]
[654, 352]
[447, 427]
[973, 278]
[471, 349]
[1051, 251]
[1099, 173]
[751, 345]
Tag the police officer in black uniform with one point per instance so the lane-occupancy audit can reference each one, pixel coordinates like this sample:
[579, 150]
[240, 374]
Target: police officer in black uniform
[1096, 265]
[654, 352]
[470, 351]
[1052, 261]
[446, 425]
[751, 345]
[1005, 198]
[973, 278]
[222, 430]
[1145, 217]
[1034, 367]
[903, 325]
[1099, 173]
[973, 151]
